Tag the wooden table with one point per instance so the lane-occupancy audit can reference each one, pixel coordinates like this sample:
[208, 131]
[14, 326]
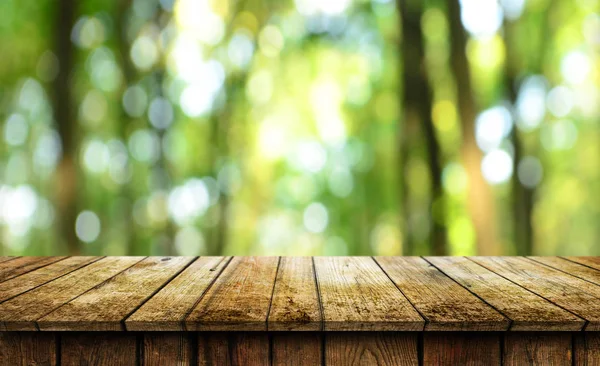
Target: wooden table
[299, 310]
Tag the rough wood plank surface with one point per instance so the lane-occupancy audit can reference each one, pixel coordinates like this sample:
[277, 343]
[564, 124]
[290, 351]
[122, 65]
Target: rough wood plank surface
[104, 307]
[21, 312]
[593, 262]
[233, 349]
[167, 348]
[357, 295]
[538, 349]
[571, 293]
[168, 308]
[18, 266]
[371, 348]
[295, 303]
[27, 348]
[445, 304]
[586, 350]
[572, 268]
[240, 297]
[115, 349]
[27, 281]
[472, 348]
[297, 349]
[528, 312]
[4, 259]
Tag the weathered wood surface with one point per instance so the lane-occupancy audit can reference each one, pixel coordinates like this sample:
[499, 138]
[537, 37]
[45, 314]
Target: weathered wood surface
[538, 349]
[357, 295]
[528, 311]
[464, 348]
[445, 304]
[371, 348]
[299, 294]
[569, 292]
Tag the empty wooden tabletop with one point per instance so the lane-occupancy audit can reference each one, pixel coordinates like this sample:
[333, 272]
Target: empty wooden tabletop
[299, 294]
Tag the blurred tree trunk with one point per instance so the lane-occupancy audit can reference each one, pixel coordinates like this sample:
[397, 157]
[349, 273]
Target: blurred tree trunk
[122, 18]
[480, 197]
[66, 175]
[417, 100]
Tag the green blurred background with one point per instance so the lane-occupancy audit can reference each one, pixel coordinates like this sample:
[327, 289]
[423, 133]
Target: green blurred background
[299, 127]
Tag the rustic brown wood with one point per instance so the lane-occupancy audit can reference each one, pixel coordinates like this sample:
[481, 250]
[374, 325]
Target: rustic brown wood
[572, 268]
[239, 299]
[4, 259]
[167, 348]
[297, 349]
[371, 348]
[356, 295]
[445, 304]
[593, 262]
[470, 348]
[116, 297]
[27, 348]
[21, 312]
[168, 308]
[113, 349]
[27, 281]
[295, 303]
[586, 349]
[571, 293]
[527, 311]
[18, 266]
[538, 349]
[228, 349]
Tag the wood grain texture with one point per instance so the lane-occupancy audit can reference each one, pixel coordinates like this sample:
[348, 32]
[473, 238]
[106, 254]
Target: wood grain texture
[27, 281]
[371, 348]
[167, 348]
[6, 258]
[586, 349]
[296, 349]
[104, 307]
[20, 265]
[572, 268]
[233, 349]
[27, 348]
[115, 349]
[167, 309]
[21, 312]
[295, 303]
[464, 348]
[239, 299]
[357, 295]
[538, 349]
[593, 262]
[571, 293]
[527, 311]
[445, 304]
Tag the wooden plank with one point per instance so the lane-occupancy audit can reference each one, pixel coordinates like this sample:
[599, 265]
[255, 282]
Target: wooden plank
[239, 299]
[6, 258]
[233, 349]
[167, 348]
[30, 280]
[18, 266]
[464, 348]
[528, 312]
[538, 349]
[104, 307]
[571, 293]
[168, 308]
[295, 304]
[572, 268]
[586, 349]
[21, 312]
[593, 262]
[357, 295]
[371, 348]
[297, 349]
[27, 348]
[113, 349]
[445, 304]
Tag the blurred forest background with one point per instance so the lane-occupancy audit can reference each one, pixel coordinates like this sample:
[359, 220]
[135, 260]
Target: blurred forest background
[300, 127]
